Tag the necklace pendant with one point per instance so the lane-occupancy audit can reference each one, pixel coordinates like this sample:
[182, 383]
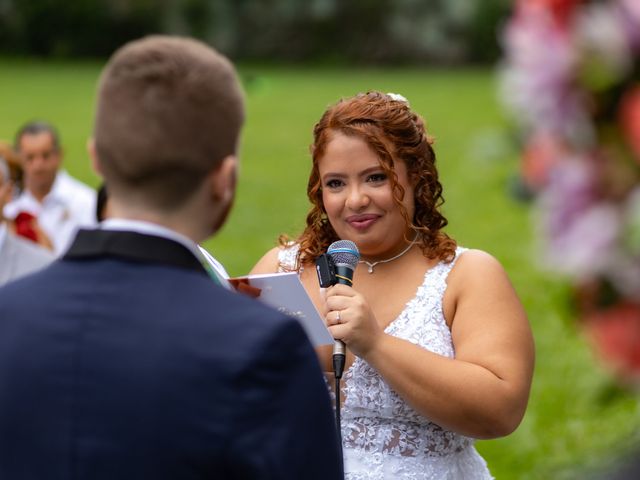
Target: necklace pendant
[373, 264]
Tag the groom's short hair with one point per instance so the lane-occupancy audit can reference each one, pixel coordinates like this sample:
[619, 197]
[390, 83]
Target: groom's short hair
[169, 110]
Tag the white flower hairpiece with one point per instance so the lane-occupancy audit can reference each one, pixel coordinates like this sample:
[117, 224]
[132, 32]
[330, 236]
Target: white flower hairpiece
[397, 97]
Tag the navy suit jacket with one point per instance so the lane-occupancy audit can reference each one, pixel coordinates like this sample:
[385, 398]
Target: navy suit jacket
[123, 360]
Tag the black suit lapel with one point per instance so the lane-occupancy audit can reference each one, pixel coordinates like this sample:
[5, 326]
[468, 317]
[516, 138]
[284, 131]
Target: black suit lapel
[132, 246]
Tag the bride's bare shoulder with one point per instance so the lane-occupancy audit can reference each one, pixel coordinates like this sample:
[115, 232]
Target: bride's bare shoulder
[268, 263]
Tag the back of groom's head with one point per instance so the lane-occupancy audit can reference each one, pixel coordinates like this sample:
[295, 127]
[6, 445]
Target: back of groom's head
[169, 110]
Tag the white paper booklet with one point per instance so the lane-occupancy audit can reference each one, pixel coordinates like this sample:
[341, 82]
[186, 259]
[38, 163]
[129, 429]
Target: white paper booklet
[285, 293]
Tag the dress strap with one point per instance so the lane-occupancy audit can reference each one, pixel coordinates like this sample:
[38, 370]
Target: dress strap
[447, 267]
[440, 272]
[287, 258]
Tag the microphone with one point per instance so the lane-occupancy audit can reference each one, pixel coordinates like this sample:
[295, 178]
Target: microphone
[344, 256]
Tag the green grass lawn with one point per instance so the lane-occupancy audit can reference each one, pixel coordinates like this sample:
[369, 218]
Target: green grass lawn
[577, 418]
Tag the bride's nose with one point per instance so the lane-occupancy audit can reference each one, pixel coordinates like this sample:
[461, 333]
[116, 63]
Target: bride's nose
[357, 198]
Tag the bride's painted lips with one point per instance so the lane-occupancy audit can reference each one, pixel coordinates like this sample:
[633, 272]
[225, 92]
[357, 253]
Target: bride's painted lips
[362, 222]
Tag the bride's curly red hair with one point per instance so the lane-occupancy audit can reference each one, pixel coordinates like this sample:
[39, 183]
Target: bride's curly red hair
[393, 131]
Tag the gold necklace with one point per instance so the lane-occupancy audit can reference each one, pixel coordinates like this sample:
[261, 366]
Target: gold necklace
[371, 265]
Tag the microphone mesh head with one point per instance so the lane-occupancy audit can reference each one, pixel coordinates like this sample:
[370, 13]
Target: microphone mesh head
[344, 252]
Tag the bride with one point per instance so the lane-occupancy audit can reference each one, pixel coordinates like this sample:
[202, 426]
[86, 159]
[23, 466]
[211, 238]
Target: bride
[439, 349]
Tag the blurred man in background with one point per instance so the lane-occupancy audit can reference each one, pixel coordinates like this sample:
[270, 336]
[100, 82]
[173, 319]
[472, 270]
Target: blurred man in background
[61, 203]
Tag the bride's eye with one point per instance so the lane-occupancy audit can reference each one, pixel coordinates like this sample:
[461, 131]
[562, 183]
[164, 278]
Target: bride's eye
[377, 177]
[334, 183]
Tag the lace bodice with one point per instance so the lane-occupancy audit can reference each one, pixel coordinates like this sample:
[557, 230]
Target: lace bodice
[384, 437]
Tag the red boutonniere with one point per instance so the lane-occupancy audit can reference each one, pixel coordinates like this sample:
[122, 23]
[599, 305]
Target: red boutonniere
[25, 226]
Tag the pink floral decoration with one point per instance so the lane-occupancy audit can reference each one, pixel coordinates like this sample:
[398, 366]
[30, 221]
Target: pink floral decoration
[571, 80]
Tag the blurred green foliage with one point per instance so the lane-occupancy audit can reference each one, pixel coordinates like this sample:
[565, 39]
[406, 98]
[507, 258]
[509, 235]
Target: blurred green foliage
[75, 28]
[363, 31]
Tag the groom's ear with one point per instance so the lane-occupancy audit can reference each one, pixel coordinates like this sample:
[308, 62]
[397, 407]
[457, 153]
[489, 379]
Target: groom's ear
[224, 178]
[93, 155]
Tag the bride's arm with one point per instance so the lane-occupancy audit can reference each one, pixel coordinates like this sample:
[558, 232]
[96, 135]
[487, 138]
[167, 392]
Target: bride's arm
[483, 391]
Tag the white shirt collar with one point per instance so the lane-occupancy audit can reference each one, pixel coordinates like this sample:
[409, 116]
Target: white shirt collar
[28, 202]
[57, 190]
[149, 228]
[57, 186]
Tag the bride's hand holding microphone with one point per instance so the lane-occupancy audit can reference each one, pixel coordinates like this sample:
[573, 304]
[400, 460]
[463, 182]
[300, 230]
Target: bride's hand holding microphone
[350, 319]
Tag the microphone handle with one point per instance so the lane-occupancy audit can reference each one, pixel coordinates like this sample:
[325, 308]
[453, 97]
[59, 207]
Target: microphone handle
[343, 275]
[339, 358]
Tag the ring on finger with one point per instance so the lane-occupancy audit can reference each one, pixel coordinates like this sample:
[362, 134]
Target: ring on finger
[337, 316]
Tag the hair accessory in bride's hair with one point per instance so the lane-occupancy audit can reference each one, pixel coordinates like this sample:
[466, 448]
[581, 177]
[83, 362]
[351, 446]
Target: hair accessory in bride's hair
[397, 97]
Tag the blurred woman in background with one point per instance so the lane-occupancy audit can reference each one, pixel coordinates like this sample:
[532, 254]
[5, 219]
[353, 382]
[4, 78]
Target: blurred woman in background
[24, 224]
[18, 256]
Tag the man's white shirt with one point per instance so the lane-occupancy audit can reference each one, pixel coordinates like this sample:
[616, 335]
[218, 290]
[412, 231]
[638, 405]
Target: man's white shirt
[69, 206]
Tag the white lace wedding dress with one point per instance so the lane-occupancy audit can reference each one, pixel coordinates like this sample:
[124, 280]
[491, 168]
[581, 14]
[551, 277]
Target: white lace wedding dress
[383, 437]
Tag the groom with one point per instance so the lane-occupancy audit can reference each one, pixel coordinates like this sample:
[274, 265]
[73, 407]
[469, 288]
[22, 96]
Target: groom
[124, 359]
